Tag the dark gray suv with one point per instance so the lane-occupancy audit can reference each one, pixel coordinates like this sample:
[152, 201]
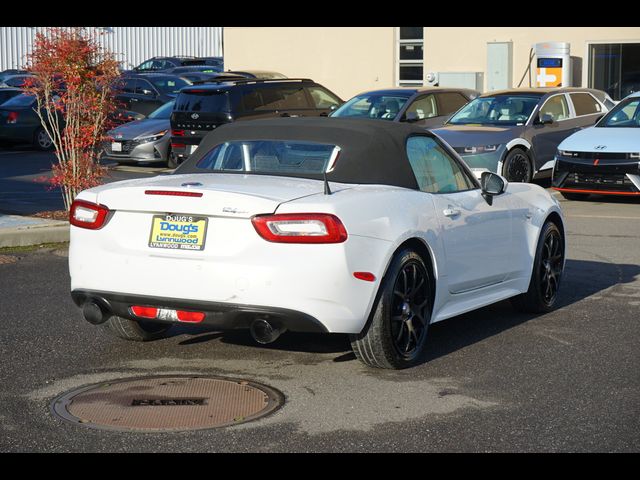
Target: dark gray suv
[516, 133]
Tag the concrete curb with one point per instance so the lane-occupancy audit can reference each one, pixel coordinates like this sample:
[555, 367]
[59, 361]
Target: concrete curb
[20, 236]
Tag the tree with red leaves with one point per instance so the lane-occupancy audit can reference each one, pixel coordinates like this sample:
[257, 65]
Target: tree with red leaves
[73, 82]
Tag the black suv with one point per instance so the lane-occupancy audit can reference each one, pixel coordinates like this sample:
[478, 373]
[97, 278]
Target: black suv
[199, 109]
[145, 92]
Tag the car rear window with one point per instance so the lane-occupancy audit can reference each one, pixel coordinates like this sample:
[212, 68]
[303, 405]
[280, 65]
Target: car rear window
[269, 157]
[22, 100]
[202, 101]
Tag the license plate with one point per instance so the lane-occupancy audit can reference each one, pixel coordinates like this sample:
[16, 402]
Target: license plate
[192, 148]
[178, 232]
[116, 146]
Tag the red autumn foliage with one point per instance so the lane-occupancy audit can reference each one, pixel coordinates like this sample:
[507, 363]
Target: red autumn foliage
[73, 82]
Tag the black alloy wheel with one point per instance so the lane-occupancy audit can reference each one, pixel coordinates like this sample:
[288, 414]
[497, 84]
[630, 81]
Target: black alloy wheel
[396, 332]
[517, 166]
[409, 310]
[552, 260]
[542, 295]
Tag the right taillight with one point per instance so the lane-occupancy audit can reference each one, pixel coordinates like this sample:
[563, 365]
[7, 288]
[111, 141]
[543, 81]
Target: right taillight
[300, 228]
[12, 117]
[89, 215]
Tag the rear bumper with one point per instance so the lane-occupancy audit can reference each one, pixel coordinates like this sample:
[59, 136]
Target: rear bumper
[182, 147]
[222, 316]
[236, 269]
[17, 133]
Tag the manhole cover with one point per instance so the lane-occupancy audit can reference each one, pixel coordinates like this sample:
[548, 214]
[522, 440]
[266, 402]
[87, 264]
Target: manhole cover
[152, 404]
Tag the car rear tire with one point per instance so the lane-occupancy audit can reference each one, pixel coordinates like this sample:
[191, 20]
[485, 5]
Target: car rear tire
[517, 166]
[396, 332]
[134, 330]
[574, 196]
[547, 273]
[42, 140]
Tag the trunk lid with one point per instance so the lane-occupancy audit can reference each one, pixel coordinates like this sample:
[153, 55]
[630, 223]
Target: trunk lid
[223, 195]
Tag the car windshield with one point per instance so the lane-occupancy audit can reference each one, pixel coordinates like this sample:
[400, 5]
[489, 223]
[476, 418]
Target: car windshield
[372, 105]
[274, 157]
[164, 112]
[22, 100]
[169, 84]
[624, 115]
[496, 110]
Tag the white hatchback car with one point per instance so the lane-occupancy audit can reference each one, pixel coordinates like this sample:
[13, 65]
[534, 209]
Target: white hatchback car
[362, 227]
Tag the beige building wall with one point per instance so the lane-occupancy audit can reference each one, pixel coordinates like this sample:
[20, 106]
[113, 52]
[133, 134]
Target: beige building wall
[349, 60]
[465, 49]
[346, 60]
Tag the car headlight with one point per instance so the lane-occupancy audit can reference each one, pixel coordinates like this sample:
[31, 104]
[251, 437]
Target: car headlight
[482, 149]
[152, 138]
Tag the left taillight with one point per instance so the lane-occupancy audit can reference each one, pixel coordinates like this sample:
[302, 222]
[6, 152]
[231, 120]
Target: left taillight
[300, 228]
[89, 215]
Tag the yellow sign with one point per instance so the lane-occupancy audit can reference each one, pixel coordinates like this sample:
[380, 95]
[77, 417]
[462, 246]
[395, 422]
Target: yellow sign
[549, 77]
[179, 232]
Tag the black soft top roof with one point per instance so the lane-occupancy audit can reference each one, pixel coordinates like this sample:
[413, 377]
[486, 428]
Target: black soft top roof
[372, 151]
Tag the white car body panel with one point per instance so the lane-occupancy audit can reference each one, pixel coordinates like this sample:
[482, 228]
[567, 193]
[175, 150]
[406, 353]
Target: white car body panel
[616, 140]
[483, 256]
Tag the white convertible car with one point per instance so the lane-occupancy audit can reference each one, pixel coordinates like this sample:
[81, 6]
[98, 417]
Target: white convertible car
[367, 228]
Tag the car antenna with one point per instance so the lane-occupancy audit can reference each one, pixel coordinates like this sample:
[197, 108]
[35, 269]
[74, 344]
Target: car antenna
[327, 190]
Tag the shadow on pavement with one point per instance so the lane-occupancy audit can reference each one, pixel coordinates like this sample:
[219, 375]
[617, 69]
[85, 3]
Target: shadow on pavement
[582, 279]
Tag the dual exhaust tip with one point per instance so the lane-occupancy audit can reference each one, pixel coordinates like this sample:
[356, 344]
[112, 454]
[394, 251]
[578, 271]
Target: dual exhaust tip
[262, 330]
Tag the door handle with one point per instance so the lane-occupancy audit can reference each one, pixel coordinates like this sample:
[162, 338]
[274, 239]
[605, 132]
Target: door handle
[134, 100]
[451, 212]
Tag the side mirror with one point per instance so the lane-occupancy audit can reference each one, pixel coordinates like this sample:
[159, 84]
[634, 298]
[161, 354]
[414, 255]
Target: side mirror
[411, 117]
[492, 184]
[545, 119]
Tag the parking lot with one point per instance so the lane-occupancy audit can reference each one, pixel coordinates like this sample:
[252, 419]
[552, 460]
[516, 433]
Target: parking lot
[493, 380]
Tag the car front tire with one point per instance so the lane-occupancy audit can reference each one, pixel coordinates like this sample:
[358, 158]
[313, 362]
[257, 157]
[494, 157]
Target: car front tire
[136, 331]
[396, 332]
[517, 166]
[547, 273]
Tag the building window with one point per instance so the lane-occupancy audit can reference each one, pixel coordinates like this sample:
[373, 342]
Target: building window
[410, 56]
[613, 67]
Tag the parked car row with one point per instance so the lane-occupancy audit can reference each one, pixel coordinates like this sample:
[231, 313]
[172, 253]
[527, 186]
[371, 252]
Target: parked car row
[515, 133]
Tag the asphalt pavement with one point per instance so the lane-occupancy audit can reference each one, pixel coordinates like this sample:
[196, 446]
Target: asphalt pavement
[25, 174]
[493, 380]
